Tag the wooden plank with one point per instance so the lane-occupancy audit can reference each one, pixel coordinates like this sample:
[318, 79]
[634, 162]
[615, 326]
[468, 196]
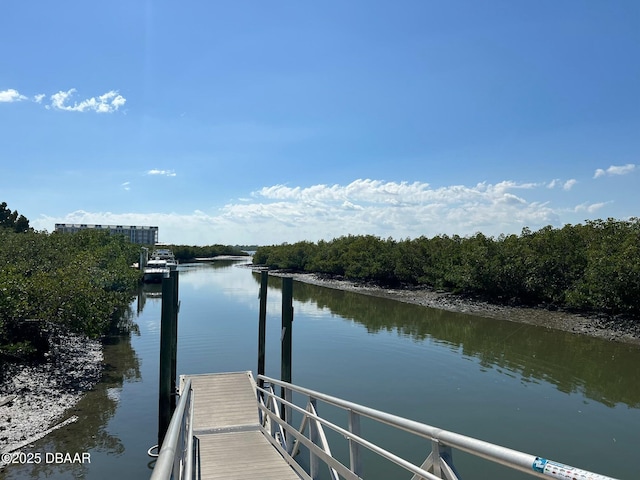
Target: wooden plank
[226, 425]
[242, 455]
[223, 400]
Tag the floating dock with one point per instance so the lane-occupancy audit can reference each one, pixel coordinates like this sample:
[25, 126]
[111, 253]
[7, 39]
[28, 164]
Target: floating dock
[227, 429]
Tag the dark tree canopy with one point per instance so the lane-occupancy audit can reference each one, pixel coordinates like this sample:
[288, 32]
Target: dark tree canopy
[13, 220]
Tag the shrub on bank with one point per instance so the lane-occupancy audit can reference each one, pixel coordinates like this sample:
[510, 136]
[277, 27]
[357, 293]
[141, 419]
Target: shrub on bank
[594, 267]
[64, 282]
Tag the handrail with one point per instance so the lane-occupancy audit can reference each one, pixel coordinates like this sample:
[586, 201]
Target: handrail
[175, 459]
[437, 463]
[321, 451]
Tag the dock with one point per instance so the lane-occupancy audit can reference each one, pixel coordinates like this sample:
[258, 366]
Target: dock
[226, 427]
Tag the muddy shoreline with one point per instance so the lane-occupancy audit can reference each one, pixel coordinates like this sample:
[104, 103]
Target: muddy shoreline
[617, 328]
[42, 396]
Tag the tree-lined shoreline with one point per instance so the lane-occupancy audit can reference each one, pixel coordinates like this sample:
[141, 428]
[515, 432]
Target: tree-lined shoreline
[592, 267]
[54, 284]
[187, 253]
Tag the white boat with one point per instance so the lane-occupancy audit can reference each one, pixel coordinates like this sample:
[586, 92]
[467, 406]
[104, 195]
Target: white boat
[155, 271]
[166, 255]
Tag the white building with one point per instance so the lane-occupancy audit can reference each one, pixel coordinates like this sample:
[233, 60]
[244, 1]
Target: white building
[135, 234]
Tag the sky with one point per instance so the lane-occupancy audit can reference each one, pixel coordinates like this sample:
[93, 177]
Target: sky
[259, 122]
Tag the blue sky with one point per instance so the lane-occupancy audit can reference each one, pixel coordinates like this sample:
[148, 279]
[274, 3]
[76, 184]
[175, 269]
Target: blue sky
[265, 122]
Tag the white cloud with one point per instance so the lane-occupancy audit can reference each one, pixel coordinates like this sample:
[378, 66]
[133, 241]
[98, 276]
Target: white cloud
[106, 103]
[590, 207]
[126, 186]
[377, 191]
[11, 95]
[388, 208]
[166, 173]
[280, 213]
[615, 170]
[556, 182]
[39, 97]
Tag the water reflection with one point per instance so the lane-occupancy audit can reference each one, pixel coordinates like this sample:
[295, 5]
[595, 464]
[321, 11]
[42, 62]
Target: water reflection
[601, 370]
[498, 381]
[90, 432]
[148, 292]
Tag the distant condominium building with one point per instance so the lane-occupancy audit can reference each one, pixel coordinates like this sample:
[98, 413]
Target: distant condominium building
[135, 234]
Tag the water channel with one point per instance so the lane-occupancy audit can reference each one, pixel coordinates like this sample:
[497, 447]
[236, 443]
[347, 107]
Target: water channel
[566, 397]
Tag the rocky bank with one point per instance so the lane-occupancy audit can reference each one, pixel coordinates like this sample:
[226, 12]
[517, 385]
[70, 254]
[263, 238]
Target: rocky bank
[40, 394]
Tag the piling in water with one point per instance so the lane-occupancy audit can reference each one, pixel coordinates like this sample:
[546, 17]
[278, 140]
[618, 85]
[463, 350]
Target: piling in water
[262, 324]
[168, 353]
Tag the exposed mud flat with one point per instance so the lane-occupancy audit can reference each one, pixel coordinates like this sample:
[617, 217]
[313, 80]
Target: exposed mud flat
[617, 328]
[40, 394]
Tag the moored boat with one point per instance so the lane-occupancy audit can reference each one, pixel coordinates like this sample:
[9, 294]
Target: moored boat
[155, 271]
[166, 255]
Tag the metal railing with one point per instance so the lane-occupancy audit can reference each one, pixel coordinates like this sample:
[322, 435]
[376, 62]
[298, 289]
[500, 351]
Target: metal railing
[276, 417]
[176, 458]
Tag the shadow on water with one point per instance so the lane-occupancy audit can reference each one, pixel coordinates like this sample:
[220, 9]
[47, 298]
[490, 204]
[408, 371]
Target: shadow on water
[601, 370]
[94, 411]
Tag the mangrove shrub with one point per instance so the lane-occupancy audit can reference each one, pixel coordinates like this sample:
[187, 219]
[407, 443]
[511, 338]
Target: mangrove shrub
[593, 266]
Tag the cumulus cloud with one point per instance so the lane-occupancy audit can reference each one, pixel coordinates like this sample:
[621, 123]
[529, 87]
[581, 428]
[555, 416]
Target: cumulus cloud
[615, 170]
[380, 192]
[397, 209]
[278, 213]
[166, 173]
[590, 207]
[107, 103]
[11, 95]
[556, 182]
[289, 213]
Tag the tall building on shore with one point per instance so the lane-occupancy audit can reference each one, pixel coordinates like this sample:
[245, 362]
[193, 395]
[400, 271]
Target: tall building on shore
[135, 234]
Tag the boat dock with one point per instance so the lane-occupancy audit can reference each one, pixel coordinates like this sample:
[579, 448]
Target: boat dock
[226, 427]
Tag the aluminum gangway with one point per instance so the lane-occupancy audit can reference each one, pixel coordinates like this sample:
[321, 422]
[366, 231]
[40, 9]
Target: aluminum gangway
[226, 426]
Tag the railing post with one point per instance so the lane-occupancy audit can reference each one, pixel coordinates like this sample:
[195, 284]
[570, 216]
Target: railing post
[285, 364]
[440, 462]
[314, 461]
[168, 344]
[262, 324]
[354, 447]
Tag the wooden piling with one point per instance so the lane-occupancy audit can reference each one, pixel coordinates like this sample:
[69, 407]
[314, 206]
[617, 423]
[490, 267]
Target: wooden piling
[286, 350]
[262, 324]
[168, 348]
[174, 338]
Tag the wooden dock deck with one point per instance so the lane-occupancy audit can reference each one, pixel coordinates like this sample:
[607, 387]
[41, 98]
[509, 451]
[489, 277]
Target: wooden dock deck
[226, 424]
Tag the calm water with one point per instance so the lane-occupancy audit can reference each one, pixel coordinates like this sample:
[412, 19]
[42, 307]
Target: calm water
[572, 399]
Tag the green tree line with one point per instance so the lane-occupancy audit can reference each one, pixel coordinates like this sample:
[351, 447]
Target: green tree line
[59, 282]
[593, 266]
[185, 253]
